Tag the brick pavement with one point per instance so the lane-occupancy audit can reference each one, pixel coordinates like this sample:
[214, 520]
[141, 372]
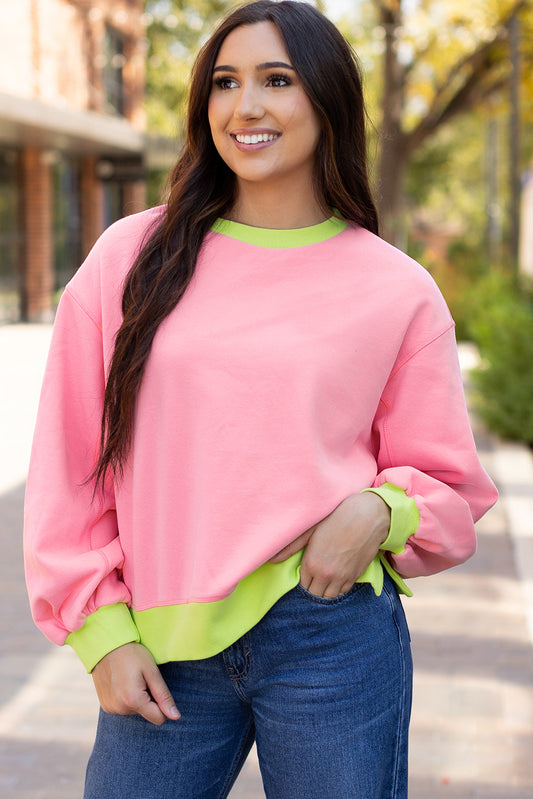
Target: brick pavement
[472, 628]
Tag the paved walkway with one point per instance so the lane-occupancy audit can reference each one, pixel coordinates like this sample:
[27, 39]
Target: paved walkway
[472, 630]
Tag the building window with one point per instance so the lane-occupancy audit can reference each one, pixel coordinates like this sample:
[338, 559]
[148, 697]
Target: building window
[113, 68]
[67, 220]
[10, 237]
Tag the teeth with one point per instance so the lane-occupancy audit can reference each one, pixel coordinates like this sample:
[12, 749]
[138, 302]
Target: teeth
[255, 138]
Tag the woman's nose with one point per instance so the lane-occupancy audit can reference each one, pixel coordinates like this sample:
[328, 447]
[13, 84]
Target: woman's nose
[249, 103]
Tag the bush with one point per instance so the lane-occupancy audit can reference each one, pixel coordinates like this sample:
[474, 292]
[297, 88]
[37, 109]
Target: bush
[457, 274]
[501, 324]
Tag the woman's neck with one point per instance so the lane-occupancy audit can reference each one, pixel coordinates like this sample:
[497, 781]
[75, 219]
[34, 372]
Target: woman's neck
[259, 207]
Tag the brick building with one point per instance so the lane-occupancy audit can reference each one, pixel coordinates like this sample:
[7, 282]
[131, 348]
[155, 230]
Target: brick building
[71, 139]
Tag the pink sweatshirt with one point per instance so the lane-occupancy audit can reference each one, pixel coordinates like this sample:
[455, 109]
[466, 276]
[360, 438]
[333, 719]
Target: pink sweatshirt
[300, 367]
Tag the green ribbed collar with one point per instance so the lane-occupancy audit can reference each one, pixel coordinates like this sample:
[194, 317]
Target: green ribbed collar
[279, 239]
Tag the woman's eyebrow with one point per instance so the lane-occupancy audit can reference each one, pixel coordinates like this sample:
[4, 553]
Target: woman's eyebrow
[273, 65]
[259, 67]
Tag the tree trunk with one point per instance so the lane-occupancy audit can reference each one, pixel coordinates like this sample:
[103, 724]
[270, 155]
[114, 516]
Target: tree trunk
[392, 173]
[514, 144]
[392, 163]
[471, 79]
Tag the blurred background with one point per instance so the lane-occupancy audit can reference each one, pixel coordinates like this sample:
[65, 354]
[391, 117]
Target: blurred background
[92, 102]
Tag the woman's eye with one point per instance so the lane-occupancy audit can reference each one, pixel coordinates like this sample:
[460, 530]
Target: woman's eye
[278, 80]
[225, 83]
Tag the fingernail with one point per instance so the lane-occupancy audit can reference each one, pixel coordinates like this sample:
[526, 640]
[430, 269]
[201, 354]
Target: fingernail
[174, 713]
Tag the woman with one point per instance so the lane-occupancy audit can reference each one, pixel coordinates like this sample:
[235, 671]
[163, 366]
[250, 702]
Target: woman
[267, 398]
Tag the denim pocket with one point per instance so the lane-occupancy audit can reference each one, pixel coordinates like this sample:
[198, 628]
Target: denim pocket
[328, 600]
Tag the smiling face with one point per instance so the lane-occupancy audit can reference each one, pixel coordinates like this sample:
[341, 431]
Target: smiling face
[262, 122]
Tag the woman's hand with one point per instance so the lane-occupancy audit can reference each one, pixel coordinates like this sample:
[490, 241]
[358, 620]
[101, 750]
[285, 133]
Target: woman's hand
[341, 546]
[128, 681]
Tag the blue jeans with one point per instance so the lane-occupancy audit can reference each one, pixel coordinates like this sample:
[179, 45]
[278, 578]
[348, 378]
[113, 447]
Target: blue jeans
[322, 685]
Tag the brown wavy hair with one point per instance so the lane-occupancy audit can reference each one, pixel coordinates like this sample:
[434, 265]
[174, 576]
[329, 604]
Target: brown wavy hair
[203, 188]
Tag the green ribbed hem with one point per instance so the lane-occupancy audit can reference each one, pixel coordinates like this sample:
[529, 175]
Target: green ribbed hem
[395, 577]
[198, 630]
[373, 574]
[405, 517]
[106, 629]
[281, 239]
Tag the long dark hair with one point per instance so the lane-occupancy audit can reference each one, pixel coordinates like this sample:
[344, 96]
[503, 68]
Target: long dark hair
[203, 188]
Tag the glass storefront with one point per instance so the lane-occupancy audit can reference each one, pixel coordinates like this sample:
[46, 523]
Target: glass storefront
[10, 237]
[66, 206]
[113, 202]
[67, 220]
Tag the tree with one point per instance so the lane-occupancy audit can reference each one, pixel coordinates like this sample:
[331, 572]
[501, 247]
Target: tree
[439, 61]
[175, 32]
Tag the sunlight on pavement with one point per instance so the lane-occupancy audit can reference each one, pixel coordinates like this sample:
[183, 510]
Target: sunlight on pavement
[57, 703]
[23, 354]
[470, 704]
[513, 469]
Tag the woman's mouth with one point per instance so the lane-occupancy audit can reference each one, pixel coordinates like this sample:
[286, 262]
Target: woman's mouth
[254, 138]
[249, 142]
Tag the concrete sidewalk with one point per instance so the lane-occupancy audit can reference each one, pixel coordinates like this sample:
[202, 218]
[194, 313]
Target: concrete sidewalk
[472, 631]
[472, 635]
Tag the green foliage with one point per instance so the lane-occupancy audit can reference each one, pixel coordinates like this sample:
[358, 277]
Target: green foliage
[446, 177]
[502, 326]
[459, 278]
[175, 32]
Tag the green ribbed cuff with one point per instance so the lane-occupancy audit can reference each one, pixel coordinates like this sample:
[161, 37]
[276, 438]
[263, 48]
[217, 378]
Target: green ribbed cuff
[106, 629]
[404, 520]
